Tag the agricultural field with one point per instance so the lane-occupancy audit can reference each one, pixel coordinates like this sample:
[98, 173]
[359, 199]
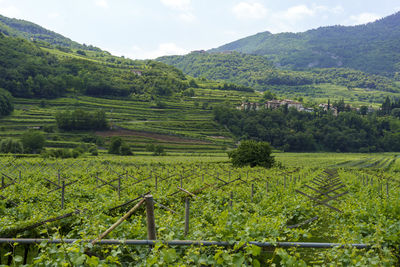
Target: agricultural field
[232, 216]
[180, 124]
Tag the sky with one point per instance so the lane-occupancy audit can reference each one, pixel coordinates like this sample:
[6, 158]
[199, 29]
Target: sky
[146, 29]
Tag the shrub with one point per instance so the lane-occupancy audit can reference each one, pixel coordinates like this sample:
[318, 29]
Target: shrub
[252, 153]
[119, 147]
[33, 141]
[6, 102]
[10, 145]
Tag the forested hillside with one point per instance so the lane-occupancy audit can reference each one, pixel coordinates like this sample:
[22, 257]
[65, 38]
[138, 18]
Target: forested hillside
[27, 70]
[34, 32]
[373, 47]
[258, 72]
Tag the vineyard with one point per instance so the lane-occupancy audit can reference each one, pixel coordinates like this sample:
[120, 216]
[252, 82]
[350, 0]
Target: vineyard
[204, 212]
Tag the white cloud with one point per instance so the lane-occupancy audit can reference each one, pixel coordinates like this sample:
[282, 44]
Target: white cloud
[164, 49]
[10, 11]
[102, 3]
[363, 18]
[53, 15]
[182, 5]
[187, 17]
[298, 12]
[249, 10]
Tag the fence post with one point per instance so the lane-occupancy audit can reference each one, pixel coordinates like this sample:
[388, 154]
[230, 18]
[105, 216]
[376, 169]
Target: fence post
[119, 187]
[155, 181]
[62, 194]
[151, 225]
[252, 192]
[187, 211]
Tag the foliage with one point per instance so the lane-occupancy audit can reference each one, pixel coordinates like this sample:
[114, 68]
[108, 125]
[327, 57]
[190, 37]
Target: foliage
[259, 72]
[292, 130]
[253, 154]
[28, 30]
[6, 103]
[158, 149]
[27, 70]
[33, 141]
[82, 120]
[10, 145]
[369, 47]
[119, 147]
[257, 213]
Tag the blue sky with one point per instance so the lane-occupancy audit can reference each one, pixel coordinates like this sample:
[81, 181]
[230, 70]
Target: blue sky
[151, 28]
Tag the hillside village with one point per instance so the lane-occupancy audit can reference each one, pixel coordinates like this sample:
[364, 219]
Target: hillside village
[275, 103]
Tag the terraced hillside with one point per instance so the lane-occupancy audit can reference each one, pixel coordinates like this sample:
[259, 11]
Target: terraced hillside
[180, 124]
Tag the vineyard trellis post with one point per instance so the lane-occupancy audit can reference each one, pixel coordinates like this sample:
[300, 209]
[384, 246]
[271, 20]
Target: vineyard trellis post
[62, 194]
[151, 225]
[187, 213]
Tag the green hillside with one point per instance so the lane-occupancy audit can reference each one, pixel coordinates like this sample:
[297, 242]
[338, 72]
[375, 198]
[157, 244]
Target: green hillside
[373, 47]
[29, 70]
[258, 72]
[31, 31]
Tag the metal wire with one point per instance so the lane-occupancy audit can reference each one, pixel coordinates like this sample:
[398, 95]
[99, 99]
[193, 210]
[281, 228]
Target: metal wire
[185, 243]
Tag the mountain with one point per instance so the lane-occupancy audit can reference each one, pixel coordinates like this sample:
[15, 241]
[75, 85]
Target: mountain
[33, 32]
[372, 47]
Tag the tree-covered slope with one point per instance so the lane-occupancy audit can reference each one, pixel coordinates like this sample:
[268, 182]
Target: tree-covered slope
[372, 47]
[28, 70]
[258, 72]
[31, 31]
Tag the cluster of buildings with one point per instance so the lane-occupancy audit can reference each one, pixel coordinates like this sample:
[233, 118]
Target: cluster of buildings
[274, 104]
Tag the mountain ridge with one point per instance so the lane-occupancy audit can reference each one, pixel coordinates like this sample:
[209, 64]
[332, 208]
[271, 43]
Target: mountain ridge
[373, 47]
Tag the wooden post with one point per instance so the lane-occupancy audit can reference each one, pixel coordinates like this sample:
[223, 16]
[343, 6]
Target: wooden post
[119, 187]
[155, 181]
[26, 251]
[187, 211]
[151, 225]
[62, 194]
[252, 192]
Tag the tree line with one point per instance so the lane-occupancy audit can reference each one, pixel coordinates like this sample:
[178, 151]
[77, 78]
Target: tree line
[291, 130]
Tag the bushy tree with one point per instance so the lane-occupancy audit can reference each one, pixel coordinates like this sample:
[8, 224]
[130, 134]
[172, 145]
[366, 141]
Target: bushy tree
[33, 141]
[119, 147]
[10, 145]
[6, 103]
[252, 153]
